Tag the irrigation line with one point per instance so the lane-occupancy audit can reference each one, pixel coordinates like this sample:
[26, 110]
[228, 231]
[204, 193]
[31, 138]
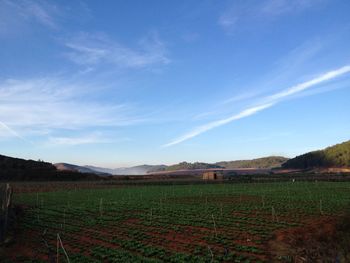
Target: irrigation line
[50, 252]
[212, 255]
[60, 242]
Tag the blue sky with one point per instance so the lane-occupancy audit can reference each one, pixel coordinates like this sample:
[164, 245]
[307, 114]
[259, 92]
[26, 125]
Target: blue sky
[132, 82]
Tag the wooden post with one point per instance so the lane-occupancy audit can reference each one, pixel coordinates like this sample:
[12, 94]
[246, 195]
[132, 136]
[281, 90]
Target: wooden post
[321, 210]
[57, 247]
[5, 207]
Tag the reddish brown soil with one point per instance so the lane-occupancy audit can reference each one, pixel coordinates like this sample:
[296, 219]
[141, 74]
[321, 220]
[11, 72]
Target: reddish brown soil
[25, 247]
[215, 199]
[51, 187]
[316, 241]
[179, 239]
[96, 242]
[132, 221]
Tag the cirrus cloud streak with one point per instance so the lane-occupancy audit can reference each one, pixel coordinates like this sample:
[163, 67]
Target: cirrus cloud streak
[269, 101]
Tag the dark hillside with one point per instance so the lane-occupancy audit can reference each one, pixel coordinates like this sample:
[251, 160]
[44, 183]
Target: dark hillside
[334, 156]
[191, 166]
[259, 163]
[15, 169]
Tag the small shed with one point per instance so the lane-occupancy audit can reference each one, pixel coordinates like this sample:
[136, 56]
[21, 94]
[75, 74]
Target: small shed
[213, 175]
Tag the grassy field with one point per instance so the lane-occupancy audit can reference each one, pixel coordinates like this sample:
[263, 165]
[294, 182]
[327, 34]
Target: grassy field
[171, 223]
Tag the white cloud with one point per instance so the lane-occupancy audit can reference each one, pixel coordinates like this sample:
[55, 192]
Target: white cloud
[268, 102]
[296, 62]
[82, 139]
[39, 106]
[214, 124]
[228, 20]
[279, 7]
[14, 15]
[242, 13]
[98, 49]
[54, 141]
[5, 130]
[42, 12]
[241, 97]
[305, 85]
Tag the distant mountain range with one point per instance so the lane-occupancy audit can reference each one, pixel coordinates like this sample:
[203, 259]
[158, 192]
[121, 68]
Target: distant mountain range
[77, 168]
[260, 163]
[135, 170]
[337, 156]
[334, 156]
[266, 162]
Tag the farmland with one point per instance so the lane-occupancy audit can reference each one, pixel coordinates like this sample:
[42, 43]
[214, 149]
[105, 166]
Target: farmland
[171, 223]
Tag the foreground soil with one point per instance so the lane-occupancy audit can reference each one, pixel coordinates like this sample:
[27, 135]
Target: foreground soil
[280, 222]
[325, 239]
[322, 239]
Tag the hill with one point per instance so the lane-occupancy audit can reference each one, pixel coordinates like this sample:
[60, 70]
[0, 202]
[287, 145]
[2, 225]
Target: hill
[134, 170]
[190, 166]
[10, 166]
[77, 168]
[261, 163]
[334, 156]
[16, 169]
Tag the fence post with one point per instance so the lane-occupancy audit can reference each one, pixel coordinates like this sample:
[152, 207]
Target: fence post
[6, 201]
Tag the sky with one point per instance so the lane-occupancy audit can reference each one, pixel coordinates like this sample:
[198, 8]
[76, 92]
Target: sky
[123, 83]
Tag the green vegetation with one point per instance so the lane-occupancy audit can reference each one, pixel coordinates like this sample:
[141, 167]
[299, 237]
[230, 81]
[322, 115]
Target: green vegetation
[265, 162]
[173, 223]
[334, 156]
[191, 166]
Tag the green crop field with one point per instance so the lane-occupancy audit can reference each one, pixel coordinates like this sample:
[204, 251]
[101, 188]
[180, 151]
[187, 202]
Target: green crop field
[170, 223]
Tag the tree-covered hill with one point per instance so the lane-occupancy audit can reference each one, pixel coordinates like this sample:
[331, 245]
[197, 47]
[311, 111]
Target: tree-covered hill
[260, 163]
[334, 156]
[191, 166]
[15, 169]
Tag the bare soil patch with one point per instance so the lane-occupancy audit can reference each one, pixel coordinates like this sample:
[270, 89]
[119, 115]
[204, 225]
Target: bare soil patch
[324, 239]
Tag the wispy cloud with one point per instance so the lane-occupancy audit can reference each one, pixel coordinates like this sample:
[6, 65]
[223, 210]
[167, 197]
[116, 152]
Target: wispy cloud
[94, 50]
[268, 102]
[243, 13]
[218, 109]
[39, 106]
[11, 131]
[294, 65]
[280, 7]
[42, 12]
[214, 124]
[16, 14]
[305, 85]
[82, 139]
[241, 97]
